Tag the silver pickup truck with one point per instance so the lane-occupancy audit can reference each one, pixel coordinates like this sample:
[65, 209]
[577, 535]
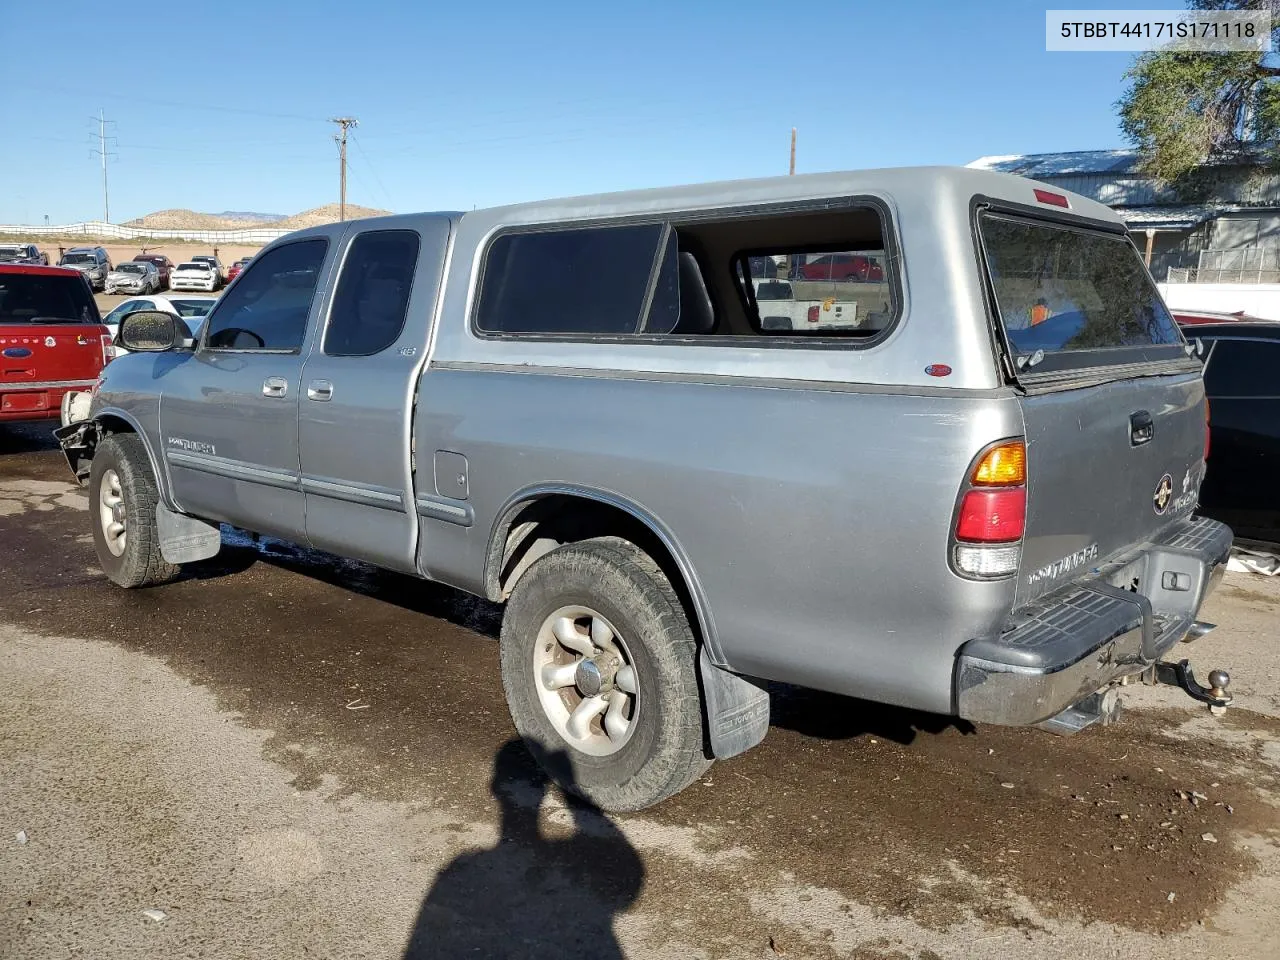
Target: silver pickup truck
[977, 500]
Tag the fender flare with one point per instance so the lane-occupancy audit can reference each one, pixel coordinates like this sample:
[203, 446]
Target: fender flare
[528, 495]
[157, 466]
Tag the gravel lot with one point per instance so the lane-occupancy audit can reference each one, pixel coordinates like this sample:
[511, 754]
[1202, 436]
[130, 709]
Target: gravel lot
[289, 755]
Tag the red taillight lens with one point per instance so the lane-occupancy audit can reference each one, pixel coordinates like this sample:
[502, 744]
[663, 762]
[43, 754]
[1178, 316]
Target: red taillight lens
[993, 516]
[1053, 199]
[813, 314]
[108, 349]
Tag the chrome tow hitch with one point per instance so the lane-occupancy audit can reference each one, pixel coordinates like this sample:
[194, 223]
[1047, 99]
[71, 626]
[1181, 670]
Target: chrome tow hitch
[1180, 675]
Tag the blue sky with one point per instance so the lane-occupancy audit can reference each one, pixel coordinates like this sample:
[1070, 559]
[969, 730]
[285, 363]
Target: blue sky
[475, 104]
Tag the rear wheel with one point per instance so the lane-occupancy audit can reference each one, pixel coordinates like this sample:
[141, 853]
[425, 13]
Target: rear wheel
[599, 668]
[122, 504]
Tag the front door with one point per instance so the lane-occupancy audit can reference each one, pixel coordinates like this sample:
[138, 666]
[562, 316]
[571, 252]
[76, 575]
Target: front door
[358, 389]
[229, 417]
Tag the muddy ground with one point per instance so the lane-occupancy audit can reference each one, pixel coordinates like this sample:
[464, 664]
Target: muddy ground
[289, 755]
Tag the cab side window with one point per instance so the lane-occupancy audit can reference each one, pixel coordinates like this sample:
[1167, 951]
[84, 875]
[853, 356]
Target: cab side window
[372, 298]
[267, 308]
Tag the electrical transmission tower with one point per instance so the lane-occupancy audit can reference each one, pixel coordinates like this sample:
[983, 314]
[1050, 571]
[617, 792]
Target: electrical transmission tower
[344, 123]
[102, 151]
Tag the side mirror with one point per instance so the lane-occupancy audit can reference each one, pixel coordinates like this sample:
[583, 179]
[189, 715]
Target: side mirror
[153, 331]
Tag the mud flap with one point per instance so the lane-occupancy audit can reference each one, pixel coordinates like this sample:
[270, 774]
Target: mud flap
[737, 709]
[185, 539]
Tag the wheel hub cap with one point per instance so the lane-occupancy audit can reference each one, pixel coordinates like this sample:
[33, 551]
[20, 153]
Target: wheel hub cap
[586, 680]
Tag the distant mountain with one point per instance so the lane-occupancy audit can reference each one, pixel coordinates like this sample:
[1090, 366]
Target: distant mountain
[250, 215]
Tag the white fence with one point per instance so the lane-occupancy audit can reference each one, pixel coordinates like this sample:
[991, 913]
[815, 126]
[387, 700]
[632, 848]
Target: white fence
[99, 228]
[1246, 265]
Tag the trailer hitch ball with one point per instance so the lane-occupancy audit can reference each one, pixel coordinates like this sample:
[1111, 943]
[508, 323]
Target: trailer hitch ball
[1219, 680]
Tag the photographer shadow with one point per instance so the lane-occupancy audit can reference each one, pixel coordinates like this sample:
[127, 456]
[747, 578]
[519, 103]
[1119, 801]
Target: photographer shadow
[530, 895]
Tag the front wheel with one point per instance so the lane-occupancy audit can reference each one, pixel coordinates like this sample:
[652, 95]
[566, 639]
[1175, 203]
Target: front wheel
[599, 665]
[122, 504]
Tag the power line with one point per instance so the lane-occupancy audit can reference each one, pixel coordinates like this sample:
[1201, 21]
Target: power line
[102, 151]
[344, 123]
[369, 163]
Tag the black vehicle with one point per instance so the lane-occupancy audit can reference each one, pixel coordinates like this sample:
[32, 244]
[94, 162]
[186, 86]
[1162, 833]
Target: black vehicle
[1242, 379]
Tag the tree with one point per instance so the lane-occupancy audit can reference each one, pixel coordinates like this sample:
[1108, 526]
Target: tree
[1185, 109]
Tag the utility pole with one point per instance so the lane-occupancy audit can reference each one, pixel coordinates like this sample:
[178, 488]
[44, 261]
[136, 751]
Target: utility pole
[102, 152]
[344, 123]
[792, 172]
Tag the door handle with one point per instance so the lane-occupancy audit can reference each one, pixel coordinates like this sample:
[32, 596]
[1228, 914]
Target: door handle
[1142, 427]
[275, 387]
[319, 390]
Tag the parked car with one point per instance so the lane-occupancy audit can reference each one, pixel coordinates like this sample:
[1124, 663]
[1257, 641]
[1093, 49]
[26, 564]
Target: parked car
[93, 262]
[842, 266]
[218, 273]
[917, 510]
[192, 308]
[23, 253]
[51, 339]
[1242, 380]
[195, 275]
[164, 266]
[1187, 318]
[233, 271]
[133, 276]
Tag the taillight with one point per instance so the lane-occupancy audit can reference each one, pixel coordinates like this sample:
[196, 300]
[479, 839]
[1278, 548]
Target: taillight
[992, 516]
[812, 314]
[1207, 436]
[108, 349]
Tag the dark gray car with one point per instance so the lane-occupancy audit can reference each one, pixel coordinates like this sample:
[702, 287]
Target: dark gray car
[965, 486]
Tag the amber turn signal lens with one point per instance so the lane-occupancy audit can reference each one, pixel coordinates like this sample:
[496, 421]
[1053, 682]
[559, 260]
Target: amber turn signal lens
[1002, 466]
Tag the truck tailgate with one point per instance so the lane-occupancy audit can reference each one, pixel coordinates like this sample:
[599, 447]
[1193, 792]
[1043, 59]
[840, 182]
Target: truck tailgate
[47, 353]
[1108, 466]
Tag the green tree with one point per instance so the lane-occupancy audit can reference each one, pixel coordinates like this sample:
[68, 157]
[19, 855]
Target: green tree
[1184, 109]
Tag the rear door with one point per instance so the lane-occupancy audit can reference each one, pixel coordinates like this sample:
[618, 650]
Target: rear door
[359, 387]
[1114, 408]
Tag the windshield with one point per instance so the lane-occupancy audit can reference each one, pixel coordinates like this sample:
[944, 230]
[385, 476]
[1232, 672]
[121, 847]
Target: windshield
[33, 299]
[194, 267]
[192, 308]
[12, 251]
[131, 268]
[79, 258]
[1064, 290]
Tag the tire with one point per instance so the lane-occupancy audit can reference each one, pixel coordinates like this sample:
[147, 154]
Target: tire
[662, 751]
[121, 465]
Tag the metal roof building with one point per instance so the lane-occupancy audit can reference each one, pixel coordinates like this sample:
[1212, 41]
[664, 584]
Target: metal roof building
[1230, 232]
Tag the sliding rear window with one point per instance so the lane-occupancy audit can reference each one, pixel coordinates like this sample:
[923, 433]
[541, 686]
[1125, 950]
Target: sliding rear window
[1073, 292]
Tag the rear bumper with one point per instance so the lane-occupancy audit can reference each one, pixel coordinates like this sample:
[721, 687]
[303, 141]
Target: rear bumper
[1081, 638]
[36, 401]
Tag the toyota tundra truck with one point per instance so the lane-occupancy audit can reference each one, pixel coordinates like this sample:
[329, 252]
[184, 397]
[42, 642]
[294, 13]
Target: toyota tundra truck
[52, 340]
[978, 500]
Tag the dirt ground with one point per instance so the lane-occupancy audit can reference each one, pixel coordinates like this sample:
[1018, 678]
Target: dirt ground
[291, 755]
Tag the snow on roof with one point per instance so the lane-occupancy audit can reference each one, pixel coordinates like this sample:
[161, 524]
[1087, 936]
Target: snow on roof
[1171, 217]
[1039, 165]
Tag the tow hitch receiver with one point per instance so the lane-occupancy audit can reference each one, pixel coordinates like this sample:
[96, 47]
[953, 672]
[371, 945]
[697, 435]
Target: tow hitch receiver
[1180, 675]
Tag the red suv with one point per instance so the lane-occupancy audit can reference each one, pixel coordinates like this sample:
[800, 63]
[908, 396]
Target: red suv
[842, 266]
[51, 340]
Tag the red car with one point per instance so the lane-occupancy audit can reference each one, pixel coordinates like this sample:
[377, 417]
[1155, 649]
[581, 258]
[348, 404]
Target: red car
[842, 266]
[233, 271]
[1194, 317]
[163, 265]
[52, 340]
